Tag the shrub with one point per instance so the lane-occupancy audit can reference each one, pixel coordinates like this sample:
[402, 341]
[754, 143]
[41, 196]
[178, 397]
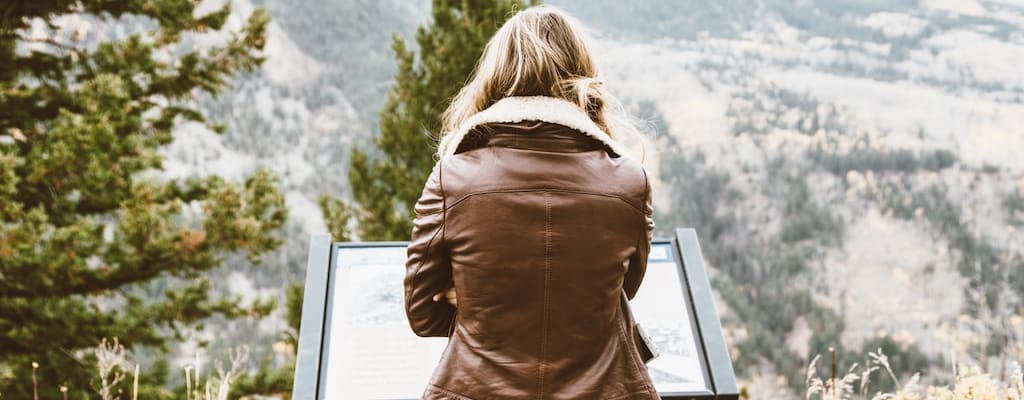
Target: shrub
[1013, 203]
[865, 158]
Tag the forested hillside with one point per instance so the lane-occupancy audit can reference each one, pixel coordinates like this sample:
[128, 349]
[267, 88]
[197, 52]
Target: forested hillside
[852, 168]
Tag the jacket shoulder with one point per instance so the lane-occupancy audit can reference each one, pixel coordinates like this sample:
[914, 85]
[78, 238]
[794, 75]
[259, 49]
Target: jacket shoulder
[634, 179]
[500, 169]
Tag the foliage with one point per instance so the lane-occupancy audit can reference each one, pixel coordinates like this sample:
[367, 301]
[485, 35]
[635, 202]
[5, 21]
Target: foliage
[805, 219]
[267, 380]
[866, 158]
[86, 227]
[337, 215]
[1013, 203]
[387, 184]
[277, 381]
[293, 312]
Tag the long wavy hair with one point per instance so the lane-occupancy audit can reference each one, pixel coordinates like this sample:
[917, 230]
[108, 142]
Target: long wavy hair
[540, 51]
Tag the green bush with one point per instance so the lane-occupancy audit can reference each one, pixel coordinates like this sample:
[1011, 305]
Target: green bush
[865, 159]
[1013, 203]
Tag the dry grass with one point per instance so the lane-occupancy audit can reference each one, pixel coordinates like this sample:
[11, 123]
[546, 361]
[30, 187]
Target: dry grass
[217, 387]
[113, 364]
[970, 383]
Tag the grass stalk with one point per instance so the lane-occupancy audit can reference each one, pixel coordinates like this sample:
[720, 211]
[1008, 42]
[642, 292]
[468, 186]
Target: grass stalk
[135, 384]
[35, 383]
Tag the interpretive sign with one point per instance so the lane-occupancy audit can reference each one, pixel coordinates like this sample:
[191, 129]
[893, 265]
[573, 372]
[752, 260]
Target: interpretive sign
[355, 342]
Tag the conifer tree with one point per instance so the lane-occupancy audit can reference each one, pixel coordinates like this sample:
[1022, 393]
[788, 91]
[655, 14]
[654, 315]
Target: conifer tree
[386, 183]
[93, 242]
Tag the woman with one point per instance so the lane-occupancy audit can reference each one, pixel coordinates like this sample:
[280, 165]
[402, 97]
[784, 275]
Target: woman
[534, 222]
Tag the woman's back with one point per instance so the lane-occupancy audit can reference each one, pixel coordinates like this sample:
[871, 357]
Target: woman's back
[538, 223]
[541, 227]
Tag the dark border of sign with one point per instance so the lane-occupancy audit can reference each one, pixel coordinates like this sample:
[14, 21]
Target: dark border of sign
[676, 259]
[709, 326]
[306, 384]
[716, 364]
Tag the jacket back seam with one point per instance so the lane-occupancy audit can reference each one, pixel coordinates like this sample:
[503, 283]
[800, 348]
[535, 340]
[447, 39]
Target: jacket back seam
[545, 313]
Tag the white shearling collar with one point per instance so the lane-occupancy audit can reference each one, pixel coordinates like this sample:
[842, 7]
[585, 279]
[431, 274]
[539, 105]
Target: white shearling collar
[529, 108]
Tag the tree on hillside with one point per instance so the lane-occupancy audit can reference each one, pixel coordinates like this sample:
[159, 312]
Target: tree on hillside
[90, 235]
[386, 183]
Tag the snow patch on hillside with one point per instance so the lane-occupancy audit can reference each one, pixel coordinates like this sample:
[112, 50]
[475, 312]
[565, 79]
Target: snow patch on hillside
[287, 64]
[960, 7]
[986, 58]
[198, 151]
[895, 24]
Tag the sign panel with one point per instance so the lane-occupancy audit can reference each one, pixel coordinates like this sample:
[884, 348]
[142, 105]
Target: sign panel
[661, 307]
[373, 354]
[367, 351]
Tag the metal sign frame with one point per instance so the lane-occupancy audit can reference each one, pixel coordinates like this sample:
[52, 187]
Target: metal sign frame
[315, 327]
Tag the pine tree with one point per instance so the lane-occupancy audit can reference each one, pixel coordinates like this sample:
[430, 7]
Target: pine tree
[93, 243]
[386, 185]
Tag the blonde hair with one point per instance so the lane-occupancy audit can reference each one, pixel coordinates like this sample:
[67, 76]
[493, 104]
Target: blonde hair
[540, 51]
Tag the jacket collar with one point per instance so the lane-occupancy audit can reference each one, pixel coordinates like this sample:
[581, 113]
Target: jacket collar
[529, 108]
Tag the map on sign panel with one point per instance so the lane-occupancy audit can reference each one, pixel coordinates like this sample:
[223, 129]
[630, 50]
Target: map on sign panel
[661, 308]
[371, 353]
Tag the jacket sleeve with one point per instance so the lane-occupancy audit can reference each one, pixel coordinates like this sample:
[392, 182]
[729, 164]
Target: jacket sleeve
[428, 268]
[638, 262]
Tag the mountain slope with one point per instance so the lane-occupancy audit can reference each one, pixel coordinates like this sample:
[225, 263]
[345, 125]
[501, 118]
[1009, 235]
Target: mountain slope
[852, 168]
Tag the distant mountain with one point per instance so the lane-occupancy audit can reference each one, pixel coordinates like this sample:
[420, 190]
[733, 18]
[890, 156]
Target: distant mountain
[853, 168]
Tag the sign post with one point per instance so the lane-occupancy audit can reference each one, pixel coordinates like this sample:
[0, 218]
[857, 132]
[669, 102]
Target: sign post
[355, 343]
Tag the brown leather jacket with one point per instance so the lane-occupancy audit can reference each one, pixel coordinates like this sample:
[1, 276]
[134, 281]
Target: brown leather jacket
[541, 227]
